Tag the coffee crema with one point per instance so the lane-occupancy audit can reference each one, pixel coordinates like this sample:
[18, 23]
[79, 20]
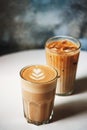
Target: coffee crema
[38, 73]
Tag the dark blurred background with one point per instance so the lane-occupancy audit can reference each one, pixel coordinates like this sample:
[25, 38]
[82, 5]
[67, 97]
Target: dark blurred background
[27, 24]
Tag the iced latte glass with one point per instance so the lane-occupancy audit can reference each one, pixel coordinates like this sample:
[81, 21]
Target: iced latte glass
[62, 52]
[38, 91]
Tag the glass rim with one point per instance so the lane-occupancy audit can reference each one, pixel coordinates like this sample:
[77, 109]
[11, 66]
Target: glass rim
[72, 39]
[56, 74]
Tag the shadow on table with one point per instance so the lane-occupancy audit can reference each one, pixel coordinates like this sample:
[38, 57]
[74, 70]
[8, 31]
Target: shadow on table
[81, 85]
[74, 107]
[69, 109]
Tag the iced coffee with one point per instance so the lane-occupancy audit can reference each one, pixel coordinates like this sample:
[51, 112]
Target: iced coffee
[38, 91]
[62, 53]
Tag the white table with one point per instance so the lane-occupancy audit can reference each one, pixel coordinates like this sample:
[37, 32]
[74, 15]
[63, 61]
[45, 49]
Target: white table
[70, 112]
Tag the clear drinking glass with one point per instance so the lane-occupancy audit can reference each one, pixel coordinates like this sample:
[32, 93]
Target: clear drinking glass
[62, 52]
[38, 84]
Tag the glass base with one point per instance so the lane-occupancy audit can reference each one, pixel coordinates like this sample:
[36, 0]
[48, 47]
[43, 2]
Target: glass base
[40, 123]
[65, 94]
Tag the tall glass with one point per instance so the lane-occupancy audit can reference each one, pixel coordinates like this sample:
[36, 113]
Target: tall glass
[62, 52]
[38, 91]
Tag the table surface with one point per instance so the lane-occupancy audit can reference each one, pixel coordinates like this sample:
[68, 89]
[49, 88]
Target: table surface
[70, 112]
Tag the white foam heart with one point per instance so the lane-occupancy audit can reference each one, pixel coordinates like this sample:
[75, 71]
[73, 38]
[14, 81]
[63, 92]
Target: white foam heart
[37, 74]
[37, 71]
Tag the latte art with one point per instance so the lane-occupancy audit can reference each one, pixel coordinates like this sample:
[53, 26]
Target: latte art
[37, 74]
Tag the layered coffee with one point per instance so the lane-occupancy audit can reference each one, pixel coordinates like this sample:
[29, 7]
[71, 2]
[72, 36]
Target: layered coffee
[38, 90]
[62, 53]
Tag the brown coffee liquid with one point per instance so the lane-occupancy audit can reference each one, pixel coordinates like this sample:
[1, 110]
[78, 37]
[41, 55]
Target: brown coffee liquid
[63, 55]
[38, 90]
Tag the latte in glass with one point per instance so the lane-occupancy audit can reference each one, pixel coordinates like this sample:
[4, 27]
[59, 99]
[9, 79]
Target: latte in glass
[38, 91]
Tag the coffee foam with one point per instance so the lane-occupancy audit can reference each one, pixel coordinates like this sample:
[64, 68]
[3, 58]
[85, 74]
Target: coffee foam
[38, 73]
